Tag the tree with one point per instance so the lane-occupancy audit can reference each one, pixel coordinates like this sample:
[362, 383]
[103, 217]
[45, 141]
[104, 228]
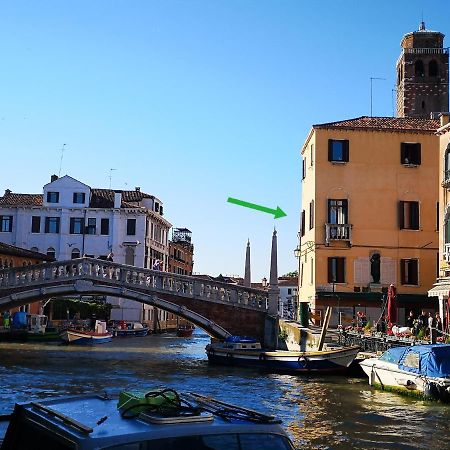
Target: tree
[291, 274]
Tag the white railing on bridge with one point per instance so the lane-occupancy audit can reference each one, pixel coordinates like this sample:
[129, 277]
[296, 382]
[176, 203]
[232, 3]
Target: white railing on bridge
[125, 276]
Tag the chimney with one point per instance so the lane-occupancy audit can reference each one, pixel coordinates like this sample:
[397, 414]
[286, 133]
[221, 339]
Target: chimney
[137, 189]
[117, 199]
[53, 178]
[7, 192]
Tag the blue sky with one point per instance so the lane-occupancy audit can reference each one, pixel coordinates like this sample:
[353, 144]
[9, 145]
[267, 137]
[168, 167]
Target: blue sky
[193, 101]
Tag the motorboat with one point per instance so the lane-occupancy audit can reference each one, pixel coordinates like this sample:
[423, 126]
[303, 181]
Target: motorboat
[185, 330]
[246, 351]
[129, 329]
[100, 335]
[160, 420]
[418, 370]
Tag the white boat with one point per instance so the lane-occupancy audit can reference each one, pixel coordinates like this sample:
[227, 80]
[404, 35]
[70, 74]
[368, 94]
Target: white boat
[419, 370]
[99, 335]
[245, 351]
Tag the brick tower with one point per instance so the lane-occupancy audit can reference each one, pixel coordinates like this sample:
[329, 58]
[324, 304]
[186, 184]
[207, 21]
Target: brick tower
[422, 74]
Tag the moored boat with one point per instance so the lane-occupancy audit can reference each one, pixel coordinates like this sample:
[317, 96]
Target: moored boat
[418, 370]
[130, 329]
[185, 330]
[246, 351]
[160, 420]
[87, 337]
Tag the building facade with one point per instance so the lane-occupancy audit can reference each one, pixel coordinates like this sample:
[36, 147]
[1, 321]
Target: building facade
[369, 215]
[11, 256]
[181, 252]
[422, 74]
[288, 297]
[70, 219]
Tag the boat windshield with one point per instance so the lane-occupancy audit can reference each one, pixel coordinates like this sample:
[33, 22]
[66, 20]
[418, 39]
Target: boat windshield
[246, 441]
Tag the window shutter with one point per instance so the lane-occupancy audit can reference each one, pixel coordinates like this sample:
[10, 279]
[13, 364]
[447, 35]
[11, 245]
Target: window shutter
[303, 223]
[345, 145]
[418, 155]
[330, 270]
[402, 271]
[414, 215]
[402, 153]
[340, 275]
[401, 215]
[330, 149]
[414, 272]
[345, 210]
[329, 211]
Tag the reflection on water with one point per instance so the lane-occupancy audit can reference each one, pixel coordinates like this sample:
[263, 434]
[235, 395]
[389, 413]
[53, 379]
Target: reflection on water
[318, 412]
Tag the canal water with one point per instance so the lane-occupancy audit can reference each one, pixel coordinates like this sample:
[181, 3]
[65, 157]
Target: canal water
[332, 412]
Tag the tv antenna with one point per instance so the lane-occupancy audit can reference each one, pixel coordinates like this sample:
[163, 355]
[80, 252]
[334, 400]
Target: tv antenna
[61, 160]
[371, 102]
[110, 176]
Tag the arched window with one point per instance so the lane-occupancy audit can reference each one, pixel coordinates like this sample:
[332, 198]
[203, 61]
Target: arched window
[433, 70]
[51, 252]
[75, 253]
[418, 68]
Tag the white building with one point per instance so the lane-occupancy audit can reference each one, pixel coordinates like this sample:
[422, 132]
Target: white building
[71, 219]
[288, 297]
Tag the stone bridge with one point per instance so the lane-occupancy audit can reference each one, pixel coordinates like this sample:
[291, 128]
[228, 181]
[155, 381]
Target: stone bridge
[220, 309]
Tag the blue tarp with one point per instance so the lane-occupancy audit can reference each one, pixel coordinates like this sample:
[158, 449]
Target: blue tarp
[19, 320]
[431, 360]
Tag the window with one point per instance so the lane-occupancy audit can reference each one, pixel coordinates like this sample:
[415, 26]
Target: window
[338, 150]
[447, 165]
[303, 223]
[409, 271]
[338, 211]
[79, 197]
[312, 155]
[311, 214]
[6, 224]
[156, 206]
[51, 252]
[91, 226]
[418, 68]
[35, 224]
[409, 215]
[131, 227]
[104, 226]
[336, 270]
[303, 168]
[52, 224]
[75, 253]
[76, 225]
[433, 69]
[52, 197]
[410, 153]
[289, 291]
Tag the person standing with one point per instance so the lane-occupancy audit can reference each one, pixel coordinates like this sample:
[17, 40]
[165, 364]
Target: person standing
[438, 324]
[410, 320]
[432, 328]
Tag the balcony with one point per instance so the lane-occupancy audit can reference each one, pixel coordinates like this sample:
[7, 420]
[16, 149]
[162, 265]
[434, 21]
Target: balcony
[338, 232]
[446, 179]
[446, 254]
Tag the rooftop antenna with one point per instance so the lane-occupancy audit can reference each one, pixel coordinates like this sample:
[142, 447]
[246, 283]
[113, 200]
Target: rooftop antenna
[371, 102]
[61, 160]
[393, 110]
[110, 176]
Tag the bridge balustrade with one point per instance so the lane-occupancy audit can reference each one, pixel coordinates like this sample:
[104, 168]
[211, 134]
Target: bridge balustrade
[128, 276]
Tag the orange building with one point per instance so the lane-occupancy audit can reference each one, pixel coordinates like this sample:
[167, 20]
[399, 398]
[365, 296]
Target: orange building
[11, 256]
[369, 215]
[181, 252]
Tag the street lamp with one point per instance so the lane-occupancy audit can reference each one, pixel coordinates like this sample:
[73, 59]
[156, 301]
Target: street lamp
[303, 312]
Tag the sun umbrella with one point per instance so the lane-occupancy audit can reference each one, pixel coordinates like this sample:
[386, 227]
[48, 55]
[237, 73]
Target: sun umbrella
[392, 305]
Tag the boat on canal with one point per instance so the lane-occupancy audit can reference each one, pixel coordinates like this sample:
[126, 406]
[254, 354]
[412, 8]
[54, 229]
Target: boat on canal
[185, 330]
[246, 351]
[418, 370]
[100, 335]
[160, 420]
[129, 329]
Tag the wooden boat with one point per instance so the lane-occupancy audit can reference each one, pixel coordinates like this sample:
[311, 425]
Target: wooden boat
[185, 330]
[130, 329]
[162, 419]
[246, 351]
[87, 337]
[418, 370]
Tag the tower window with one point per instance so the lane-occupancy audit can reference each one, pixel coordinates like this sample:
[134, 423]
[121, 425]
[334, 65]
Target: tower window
[433, 69]
[418, 68]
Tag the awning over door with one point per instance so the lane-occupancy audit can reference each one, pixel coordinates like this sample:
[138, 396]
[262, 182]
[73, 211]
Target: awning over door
[440, 290]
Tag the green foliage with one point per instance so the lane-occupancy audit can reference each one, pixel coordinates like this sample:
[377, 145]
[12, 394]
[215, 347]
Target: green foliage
[283, 334]
[368, 326]
[291, 274]
[421, 334]
[85, 309]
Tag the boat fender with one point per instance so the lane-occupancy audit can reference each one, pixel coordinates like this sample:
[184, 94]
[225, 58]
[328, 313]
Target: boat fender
[431, 390]
[303, 360]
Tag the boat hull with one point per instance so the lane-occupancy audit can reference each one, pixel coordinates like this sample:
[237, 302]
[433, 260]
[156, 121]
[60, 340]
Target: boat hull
[336, 360]
[85, 337]
[387, 376]
[131, 333]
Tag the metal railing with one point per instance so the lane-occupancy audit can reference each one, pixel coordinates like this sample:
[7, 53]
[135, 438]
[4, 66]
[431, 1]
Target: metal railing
[124, 276]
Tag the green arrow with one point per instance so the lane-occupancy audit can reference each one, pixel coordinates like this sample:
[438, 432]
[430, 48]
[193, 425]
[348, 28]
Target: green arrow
[276, 212]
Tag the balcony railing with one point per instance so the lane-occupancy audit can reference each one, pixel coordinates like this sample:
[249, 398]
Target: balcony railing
[446, 179]
[447, 252]
[338, 232]
[423, 51]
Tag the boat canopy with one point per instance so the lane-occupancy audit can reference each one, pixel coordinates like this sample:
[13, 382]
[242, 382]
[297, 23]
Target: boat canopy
[430, 360]
[240, 339]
